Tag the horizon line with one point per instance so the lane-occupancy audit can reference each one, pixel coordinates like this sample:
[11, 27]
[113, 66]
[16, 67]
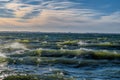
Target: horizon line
[59, 32]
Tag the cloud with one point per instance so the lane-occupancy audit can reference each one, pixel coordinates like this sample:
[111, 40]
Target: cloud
[4, 0]
[55, 15]
[19, 9]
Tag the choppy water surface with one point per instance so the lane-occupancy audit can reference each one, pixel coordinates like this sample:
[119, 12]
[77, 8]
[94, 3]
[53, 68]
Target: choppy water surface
[77, 56]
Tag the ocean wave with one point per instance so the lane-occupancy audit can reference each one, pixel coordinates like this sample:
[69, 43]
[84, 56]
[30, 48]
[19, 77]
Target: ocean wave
[79, 54]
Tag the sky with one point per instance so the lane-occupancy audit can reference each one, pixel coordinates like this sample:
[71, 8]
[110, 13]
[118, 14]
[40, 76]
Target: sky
[77, 16]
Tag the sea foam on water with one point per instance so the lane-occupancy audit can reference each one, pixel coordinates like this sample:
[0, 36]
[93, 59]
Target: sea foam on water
[82, 43]
[16, 45]
[2, 55]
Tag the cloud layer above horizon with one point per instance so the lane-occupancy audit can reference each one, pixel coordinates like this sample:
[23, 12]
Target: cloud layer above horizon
[60, 15]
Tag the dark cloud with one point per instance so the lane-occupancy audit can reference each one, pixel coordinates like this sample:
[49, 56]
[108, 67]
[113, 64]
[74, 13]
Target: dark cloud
[6, 13]
[31, 15]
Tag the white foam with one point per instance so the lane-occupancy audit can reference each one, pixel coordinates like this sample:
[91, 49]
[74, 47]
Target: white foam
[15, 45]
[2, 55]
[85, 49]
[115, 52]
[82, 43]
[19, 52]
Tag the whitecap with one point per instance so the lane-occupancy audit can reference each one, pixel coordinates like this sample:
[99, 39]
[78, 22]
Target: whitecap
[15, 45]
[82, 43]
